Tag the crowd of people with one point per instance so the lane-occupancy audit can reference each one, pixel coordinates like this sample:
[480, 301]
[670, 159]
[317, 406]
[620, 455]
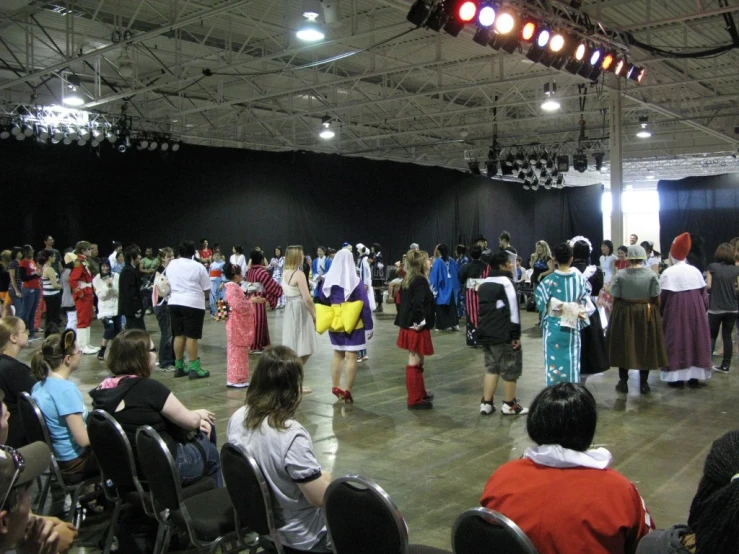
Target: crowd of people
[631, 310]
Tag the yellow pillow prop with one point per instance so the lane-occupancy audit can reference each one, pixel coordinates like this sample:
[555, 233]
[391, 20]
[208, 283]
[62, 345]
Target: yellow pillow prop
[339, 318]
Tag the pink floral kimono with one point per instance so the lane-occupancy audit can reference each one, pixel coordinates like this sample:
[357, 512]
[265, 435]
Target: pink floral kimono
[239, 335]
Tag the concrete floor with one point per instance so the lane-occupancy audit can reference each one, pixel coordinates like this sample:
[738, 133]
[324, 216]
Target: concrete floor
[434, 463]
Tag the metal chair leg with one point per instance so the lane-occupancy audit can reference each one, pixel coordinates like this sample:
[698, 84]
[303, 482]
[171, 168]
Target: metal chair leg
[44, 494]
[161, 546]
[113, 524]
[76, 515]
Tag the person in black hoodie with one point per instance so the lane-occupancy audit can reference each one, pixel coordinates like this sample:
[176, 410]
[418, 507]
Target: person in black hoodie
[416, 315]
[476, 269]
[499, 333]
[130, 303]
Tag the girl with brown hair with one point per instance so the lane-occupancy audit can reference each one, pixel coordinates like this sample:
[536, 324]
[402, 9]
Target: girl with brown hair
[15, 376]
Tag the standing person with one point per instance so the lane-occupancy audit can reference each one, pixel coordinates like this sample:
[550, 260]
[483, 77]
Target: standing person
[60, 400]
[49, 245]
[594, 352]
[259, 284]
[633, 240]
[487, 254]
[683, 301]
[239, 328]
[461, 259]
[266, 427]
[378, 273]
[345, 294]
[504, 243]
[16, 283]
[653, 260]
[543, 264]
[146, 268]
[93, 261]
[469, 274]
[67, 297]
[635, 336]
[5, 302]
[416, 315]
[217, 282]
[561, 299]
[52, 291]
[237, 258]
[130, 301]
[117, 249]
[444, 281]
[204, 254]
[189, 282]
[621, 261]
[722, 281]
[607, 261]
[106, 288]
[15, 376]
[499, 334]
[365, 276]
[159, 299]
[299, 323]
[321, 265]
[120, 263]
[276, 264]
[80, 283]
[31, 291]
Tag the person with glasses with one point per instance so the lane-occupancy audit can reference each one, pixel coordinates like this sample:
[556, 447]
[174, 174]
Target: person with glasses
[134, 399]
[15, 376]
[61, 403]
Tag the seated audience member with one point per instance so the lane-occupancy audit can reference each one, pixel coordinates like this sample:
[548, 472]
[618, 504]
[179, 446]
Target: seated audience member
[283, 448]
[562, 495]
[61, 403]
[66, 531]
[134, 399]
[713, 524]
[15, 376]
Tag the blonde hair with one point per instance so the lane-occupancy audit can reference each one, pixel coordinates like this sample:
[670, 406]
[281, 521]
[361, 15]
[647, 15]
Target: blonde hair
[5, 257]
[294, 257]
[8, 326]
[51, 355]
[415, 266]
[547, 250]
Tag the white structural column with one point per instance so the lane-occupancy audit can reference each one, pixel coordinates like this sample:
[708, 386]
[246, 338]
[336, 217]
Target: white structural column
[617, 217]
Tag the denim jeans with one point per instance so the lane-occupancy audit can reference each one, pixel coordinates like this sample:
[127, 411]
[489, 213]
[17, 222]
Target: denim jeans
[216, 293]
[17, 302]
[166, 346]
[191, 465]
[112, 326]
[28, 311]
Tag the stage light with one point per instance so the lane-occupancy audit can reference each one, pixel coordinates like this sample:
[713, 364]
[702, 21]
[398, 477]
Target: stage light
[595, 57]
[521, 175]
[311, 8]
[56, 135]
[27, 130]
[467, 11]
[550, 104]
[153, 145]
[84, 133]
[15, 129]
[486, 17]
[607, 62]
[165, 146]
[528, 31]
[97, 136]
[474, 166]
[20, 136]
[81, 142]
[5, 133]
[72, 133]
[557, 42]
[310, 31]
[520, 157]
[548, 183]
[73, 97]
[142, 144]
[492, 168]
[123, 146]
[112, 136]
[598, 157]
[175, 147]
[437, 18]
[508, 43]
[580, 162]
[620, 66]
[563, 163]
[643, 132]
[505, 23]
[580, 51]
[535, 184]
[67, 140]
[419, 12]
[560, 181]
[636, 73]
[510, 159]
[94, 143]
[326, 131]
[482, 36]
[542, 39]
[533, 157]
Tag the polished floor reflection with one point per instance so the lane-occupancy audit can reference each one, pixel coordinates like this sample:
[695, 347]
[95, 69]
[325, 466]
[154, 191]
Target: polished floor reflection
[435, 463]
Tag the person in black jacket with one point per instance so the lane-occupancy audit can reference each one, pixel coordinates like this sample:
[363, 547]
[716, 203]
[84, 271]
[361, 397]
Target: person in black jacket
[499, 333]
[476, 269]
[416, 315]
[129, 296]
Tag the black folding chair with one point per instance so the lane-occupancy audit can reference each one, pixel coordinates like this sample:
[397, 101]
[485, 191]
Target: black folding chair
[208, 518]
[35, 427]
[251, 497]
[483, 531]
[363, 519]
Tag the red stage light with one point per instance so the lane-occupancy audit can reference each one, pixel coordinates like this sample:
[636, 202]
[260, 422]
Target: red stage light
[527, 31]
[607, 62]
[467, 11]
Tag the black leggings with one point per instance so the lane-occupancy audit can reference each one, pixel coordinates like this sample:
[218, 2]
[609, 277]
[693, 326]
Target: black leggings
[53, 311]
[623, 375]
[726, 322]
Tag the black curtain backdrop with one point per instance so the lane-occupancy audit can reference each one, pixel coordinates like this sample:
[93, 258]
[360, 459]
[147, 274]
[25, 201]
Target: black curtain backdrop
[706, 206]
[267, 199]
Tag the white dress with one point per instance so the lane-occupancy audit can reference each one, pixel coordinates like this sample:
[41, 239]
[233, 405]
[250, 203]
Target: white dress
[298, 329]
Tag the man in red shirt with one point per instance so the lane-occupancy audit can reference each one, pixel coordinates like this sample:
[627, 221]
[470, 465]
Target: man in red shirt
[562, 495]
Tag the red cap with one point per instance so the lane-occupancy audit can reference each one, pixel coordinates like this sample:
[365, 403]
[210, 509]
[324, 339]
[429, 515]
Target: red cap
[680, 247]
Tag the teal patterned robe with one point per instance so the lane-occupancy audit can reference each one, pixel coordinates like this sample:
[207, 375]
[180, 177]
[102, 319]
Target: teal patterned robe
[562, 346]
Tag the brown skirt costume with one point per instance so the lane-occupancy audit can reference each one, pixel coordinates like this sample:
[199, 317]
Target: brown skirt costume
[635, 336]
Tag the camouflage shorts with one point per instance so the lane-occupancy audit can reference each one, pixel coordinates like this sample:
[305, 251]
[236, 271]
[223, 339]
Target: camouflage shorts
[501, 359]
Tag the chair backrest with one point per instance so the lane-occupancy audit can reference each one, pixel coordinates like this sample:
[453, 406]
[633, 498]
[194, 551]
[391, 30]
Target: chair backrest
[249, 491]
[112, 450]
[159, 468]
[363, 519]
[483, 531]
[33, 420]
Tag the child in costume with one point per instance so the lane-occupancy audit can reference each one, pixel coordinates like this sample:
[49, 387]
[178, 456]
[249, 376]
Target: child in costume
[239, 328]
[217, 282]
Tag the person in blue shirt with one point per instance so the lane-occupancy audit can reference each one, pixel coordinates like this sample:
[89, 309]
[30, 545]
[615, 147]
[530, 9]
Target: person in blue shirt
[321, 265]
[444, 279]
[61, 403]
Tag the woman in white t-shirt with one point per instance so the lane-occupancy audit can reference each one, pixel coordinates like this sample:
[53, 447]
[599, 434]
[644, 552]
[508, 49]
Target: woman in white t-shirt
[653, 260]
[237, 258]
[283, 449]
[607, 261]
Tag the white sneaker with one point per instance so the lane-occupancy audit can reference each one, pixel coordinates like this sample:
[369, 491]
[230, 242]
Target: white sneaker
[516, 409]
[487, 408]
